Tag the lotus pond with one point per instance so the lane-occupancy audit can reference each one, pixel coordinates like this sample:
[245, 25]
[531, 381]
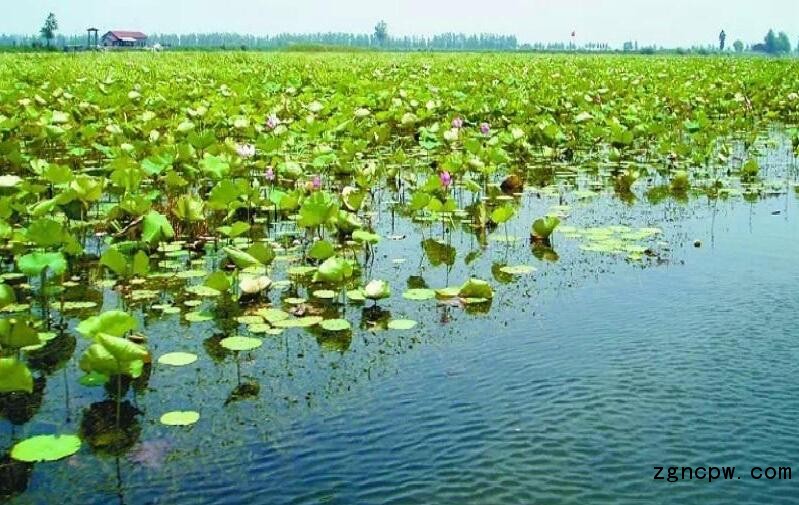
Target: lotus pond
[233, 278]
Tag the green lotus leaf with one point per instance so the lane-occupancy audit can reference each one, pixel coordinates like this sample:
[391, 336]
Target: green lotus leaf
[198, 317]
[115, 261]
[114, 322]
[237, 229]
[156, 228]
[273, 315]
[347, 222]
[180, 418]
[356, 295]
[113, 356]
[335, 325]
[402, 324]
[317, 209]
[476, 288]
[141, 264]
[46, 448]
[542, 228]
[15, 376]
[238, 343]
[502, 214]
[45, 232]
[353, 198]
[215, 166]
[262, 252]
[17, 334]
[321, 250]
[448, 292]
[300, 322]
[7, 295]
[177, 359]
[189, 209]
[218, 281]
[324, 294]
[35, 263]
[242, 259]
[517, 270]
[365, 237]
[419, 294]
[334, 269]
[87, 189]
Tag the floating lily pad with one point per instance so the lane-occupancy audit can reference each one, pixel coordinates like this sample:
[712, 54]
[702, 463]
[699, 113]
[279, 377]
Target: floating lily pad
[449, 292]
[78, 305]
[188, 274]
[325, 294]
[180, 418]
[300, 271]
[259, 328]
[518, 270]
[295, 301]
[300, 322]
[46, 448]
[203, 291]
[198, 317]
[356, 295]
[335, 325]
[419, 294]
[240, 343]
[273, 315]
[402, 324]
[474, 301]
[177, 359]
[249, 319]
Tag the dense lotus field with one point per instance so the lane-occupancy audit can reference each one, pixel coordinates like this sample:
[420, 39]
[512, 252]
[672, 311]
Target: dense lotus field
[257, 195]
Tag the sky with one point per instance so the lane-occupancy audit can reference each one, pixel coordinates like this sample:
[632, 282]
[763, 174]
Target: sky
[668, 23]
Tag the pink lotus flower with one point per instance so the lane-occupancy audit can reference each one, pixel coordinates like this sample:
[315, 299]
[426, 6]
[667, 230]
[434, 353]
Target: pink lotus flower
[245, 151]
[316, 182]
[485, 128]
[445, 178]
[457, 123]
[272, 121]
[270, 174]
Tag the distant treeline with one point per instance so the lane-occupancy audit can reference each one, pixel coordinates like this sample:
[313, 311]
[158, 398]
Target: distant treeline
[441, 42]
[772, 44]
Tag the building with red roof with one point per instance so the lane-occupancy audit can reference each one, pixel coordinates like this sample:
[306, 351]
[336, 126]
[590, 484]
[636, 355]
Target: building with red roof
[123, 38]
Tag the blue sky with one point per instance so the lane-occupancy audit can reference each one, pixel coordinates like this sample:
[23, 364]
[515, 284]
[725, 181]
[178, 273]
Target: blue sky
[661, 22]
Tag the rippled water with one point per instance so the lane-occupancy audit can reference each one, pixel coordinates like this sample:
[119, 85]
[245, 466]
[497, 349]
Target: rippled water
[580, 379]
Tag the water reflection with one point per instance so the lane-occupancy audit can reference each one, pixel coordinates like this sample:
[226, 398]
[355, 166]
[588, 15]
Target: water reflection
[110, 428]
[20, 407]
[14, 476]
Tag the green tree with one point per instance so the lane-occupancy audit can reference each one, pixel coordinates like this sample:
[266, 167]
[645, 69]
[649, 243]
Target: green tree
[49, 28]
[770, 42]
[783, 43]
[381, 32]
[738, 46]
[722, 40]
